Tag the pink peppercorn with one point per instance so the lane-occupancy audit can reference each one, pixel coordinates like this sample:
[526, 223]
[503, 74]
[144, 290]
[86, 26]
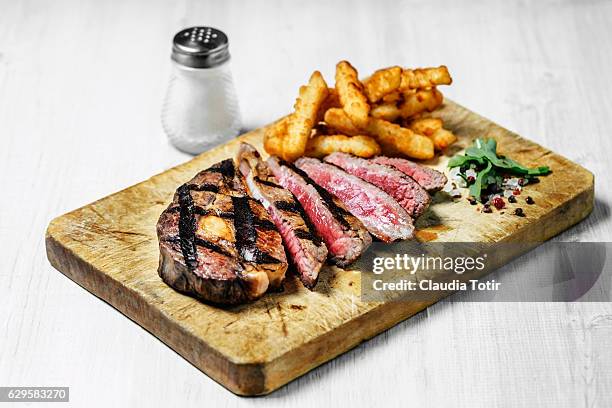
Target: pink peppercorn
[498, 202]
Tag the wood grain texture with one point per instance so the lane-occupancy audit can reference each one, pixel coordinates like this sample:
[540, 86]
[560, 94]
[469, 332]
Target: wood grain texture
[110, 248]
[79, 119]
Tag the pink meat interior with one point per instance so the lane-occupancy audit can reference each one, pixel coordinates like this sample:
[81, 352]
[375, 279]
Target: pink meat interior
[377, 210]
[430, 179]
[404, 190]
[337, 240]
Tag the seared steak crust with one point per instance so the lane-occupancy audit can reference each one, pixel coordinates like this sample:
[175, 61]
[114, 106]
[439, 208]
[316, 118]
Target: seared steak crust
[218, 244]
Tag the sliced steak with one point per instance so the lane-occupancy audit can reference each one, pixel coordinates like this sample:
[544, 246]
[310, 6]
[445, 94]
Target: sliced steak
[218, 244]
[430, 179]
[344, 235]
[305, 247]
[402, 188]
[379, 212]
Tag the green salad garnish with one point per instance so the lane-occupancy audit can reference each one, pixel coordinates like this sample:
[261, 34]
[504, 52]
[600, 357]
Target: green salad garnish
[491, 170]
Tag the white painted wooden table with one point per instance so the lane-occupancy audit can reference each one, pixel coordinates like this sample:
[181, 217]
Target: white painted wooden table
[81, 84]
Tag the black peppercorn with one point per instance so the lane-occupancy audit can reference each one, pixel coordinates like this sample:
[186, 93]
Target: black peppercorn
[529, 200]
[512, 199]
[519, 212]
[486, 209]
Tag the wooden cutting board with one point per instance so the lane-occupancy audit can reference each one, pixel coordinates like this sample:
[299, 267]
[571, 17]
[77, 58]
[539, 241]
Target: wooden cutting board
[110, 248]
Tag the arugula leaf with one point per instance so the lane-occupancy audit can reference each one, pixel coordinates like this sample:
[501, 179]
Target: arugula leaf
[484, 153]
[460, 161]
[481, 181]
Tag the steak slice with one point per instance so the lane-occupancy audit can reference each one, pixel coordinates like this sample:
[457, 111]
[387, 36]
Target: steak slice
[218, 244]
[379, 212]
[344, 235]
[402, 188]
[305, 247]
[430, 179]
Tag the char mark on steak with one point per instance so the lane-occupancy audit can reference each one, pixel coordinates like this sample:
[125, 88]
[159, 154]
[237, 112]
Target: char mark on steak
[187, 226]
[402, 188]
[306, 249]
[218, 244]
[430, 179]
[384, 217]
[246, 232]
[344, 235]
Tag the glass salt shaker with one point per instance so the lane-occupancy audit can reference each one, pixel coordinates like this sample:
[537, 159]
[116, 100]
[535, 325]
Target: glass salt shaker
[201, 109]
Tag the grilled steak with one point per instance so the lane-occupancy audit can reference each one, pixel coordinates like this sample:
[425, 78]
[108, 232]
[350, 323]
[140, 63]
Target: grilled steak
[430, 179]
[379, 212]
[345, 236]
[218, 244]
[402, 188]
[305, 247]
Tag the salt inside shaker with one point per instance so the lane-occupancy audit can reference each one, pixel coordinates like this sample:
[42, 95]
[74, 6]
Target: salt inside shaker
[200, 109]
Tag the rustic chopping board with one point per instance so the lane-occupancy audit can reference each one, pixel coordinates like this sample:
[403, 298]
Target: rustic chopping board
[110, 248]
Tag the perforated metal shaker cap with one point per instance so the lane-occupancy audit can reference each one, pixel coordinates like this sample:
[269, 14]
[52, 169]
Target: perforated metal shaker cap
[200, 47]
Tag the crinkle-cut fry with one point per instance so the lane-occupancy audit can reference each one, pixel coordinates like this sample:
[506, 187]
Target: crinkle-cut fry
[304, 118]
[422, 78]
[274, 137]
[386, 111]
[420, 101]
[393, 97]
[332, 100]
[360, 145]
[382, 82]
[433, 128]
[443, 138]
[337, 118]
[350, 91]
[426, 126]
[395, 140]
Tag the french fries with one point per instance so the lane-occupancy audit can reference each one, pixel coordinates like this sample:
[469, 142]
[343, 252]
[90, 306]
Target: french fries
[432, 128]
[387, 111]
[382, 82]
[443, 138]
[393, 97]
[394, 140]
[362, 118]
[350, 91]
[331, 101]
[274, 137]
[389, 135]
[424, 78]
[425, 126]
[362, 146]
[304, 118]
[420, 101]
[338, 119]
